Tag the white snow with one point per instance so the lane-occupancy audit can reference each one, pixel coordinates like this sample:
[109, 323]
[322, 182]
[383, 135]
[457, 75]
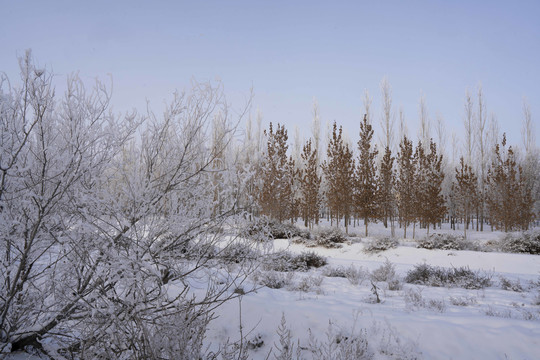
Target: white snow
[496, 324]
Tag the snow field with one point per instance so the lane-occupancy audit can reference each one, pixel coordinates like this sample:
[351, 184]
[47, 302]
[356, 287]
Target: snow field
[416, 321]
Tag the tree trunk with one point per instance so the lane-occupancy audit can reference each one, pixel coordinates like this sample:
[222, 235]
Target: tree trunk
[366, 223]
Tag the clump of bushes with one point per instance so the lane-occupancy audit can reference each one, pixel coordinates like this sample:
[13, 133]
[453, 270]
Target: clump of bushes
[237, 252]
[329, 238]
[286, 261]
[507, 284]
[527, 242]
[446, 242]
[414, 300]
[356, 276]
[385, 272]
[464, 277]
[380, 244]
[274, 279]
[263, 229]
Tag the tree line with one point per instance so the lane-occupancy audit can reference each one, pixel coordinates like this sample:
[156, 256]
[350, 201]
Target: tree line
[414, 186]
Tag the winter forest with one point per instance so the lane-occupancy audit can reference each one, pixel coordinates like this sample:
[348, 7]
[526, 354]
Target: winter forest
[202, 233]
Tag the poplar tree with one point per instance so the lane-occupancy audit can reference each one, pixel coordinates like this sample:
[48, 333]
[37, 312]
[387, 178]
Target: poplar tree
[275, 197]
[420, 188]
[510, 198]
[465, 192]
[366, 175]
[433, 206]
[310, 183]
[405, 184]
[385, 187]
[339, 174]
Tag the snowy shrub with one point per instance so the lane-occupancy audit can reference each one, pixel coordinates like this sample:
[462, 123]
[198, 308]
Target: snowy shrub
[263, 229]
[436, 305]
[237, 252]
[356, 276]
[385, 272]
[287, 261]
[308, 283]
[527, 242]
[285, 350]
[274, 279]
[395, 285]
[491, 311]
[309, 259]
[414, 299]
[455, 277]
[446, 242]
[536, 299]
[338, 345]
[329, 238]
[462, 300]
[331, 271]
[507, 284]
[380, 244]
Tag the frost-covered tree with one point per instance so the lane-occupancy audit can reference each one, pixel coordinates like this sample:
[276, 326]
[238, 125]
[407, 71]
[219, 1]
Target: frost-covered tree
[104, 228]
[482, 163]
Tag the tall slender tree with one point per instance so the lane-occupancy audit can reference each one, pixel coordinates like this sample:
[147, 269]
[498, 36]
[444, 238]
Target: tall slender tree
[366, 175]
[434, 206]
[310, 183]
[405, 184]
[510, 198]
[465, 192]
[339, 175]
[385, 187]
[275, 196]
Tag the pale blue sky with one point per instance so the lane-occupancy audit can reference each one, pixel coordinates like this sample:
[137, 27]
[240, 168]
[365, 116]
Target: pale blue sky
[293, 51]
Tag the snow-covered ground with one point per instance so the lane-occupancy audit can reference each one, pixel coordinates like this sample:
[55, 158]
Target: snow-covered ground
[414, 322]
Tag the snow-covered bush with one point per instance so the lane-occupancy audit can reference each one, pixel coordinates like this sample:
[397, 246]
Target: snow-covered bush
[237, 252]
[309, 259]
[328, 238]
[286, 350]
[331, 271]
[385, 272]
[464, 277]
[264, 228]
[357, 275]
[446, 242]
[536, 300]
[340, 345]
[380, 244]
[287, 261]
[525, 242]
[308, 283]
[413, 298]
[274, 279]
[414, 301]
[462, 300]
[507, 284]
